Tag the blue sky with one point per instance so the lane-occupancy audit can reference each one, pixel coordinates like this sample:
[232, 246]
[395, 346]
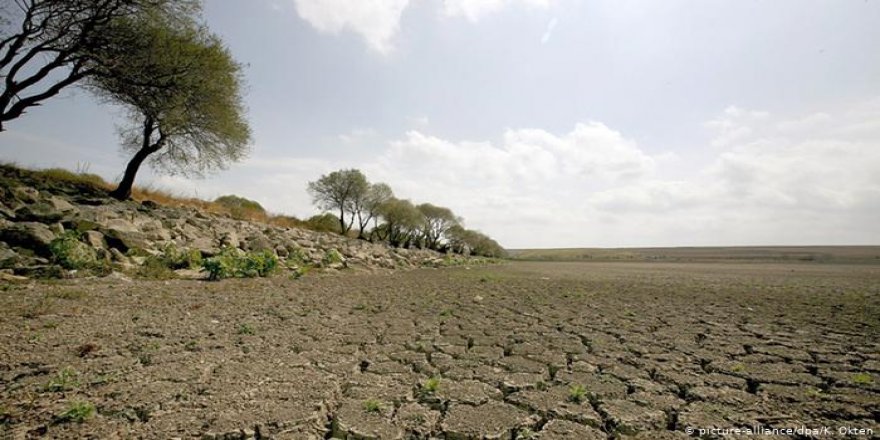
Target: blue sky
[546, 123]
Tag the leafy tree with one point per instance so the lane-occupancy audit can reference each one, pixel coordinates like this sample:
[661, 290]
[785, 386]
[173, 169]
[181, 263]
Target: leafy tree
[240, 207]
[437, 220]
[323, 223]
[368, 209]
[48, 45]
[402, 222]
[182, 89]
[340, 191]
[467, 241]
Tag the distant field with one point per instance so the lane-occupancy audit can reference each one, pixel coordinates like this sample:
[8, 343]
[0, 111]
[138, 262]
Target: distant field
[826, 254]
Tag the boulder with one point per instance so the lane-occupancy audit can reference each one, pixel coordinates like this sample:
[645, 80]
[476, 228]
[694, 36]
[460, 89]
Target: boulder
[258, 243]
[38, 212]
[29, 235]
[9, 258]
[95, 239]
[25, 194]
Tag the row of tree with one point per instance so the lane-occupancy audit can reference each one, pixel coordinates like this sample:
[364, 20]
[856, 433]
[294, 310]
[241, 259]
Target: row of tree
[179, 83]
[373, 212]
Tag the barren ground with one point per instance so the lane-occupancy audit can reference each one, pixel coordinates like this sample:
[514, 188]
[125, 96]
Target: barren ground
[521, 350]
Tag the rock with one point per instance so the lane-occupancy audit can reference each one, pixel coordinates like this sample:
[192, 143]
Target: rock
[258, 243]
[25, 194]
[123, 235]
[206, 246]
[38, 212]
[60, 204]
[9, 258]
[29, 235]
[229, 239]
[95, 239]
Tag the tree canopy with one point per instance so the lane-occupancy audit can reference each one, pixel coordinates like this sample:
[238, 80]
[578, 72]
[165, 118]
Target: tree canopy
[48, 45]
[342, 191]
[182, 89]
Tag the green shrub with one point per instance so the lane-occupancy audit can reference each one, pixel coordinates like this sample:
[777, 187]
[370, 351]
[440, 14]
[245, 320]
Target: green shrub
[77, 412]
[71, 253]
[234, 263]
[332, 256]
[155, 268]
[181, 258]
[577, 393]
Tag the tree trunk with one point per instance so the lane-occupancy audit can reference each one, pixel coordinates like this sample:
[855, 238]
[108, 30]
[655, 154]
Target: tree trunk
[342, 220]
[123, 190]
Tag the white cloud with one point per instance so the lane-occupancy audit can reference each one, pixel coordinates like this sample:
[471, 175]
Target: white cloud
[375, 20]
[799, 180]
[473, 10]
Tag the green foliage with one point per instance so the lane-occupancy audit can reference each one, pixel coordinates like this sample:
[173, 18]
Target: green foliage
[372, 406]
[431, 385]
[64, 380]
[300, 271]
[862, 378]
[183, 92]
[155, 268]
[340, 192]
[246, 329]
[241, 208]
[332, 256]
[235, 263]
[71, 253]
[577, 394]
[77, 412]
[181, 258]
[323, 223]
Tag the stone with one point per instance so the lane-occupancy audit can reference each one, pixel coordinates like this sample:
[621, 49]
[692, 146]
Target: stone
[38, 212]
[9, 258]
[29, 235]
[95, 239]
[25, 194]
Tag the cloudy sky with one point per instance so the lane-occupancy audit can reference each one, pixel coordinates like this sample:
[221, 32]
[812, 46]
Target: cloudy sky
[546, 123]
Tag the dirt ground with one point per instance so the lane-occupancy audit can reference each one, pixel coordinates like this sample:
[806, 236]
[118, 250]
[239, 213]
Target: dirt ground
[521, 350]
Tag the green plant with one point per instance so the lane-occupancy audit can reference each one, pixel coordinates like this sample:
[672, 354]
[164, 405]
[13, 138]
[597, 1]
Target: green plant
[526, 434]
[155, 268]
[64, 380]
[234, 263]
[431, 385]
[71, 253]
[372, 406]
[862, 378]
[77, 412]
[300, 272]
[577, 393]
[332, 256]
[181, 258]
[246, 329]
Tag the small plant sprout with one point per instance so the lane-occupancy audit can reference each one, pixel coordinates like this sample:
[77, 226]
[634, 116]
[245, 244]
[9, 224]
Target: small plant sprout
[577, 394]
[64, 380]
[77, 412]
[372, 406]
[431, 385]
[246, 329]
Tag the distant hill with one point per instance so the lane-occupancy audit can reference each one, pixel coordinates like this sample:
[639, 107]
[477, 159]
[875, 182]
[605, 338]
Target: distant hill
[825, 254]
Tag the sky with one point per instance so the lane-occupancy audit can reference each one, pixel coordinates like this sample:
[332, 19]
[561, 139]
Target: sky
[544, 123]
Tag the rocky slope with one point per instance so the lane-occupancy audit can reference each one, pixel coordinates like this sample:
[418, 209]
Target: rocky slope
[35, 210]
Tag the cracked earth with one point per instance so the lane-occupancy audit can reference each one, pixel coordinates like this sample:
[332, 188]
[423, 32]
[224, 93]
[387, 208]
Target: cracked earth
[516, 351]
